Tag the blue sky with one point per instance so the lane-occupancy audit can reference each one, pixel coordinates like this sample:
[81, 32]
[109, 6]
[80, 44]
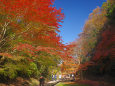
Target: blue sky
[76, 13]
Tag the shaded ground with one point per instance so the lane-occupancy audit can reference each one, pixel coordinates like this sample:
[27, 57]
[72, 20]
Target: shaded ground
[21, 82]
[95, 83]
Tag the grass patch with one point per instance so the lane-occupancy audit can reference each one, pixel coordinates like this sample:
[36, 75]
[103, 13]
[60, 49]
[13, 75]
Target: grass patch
[64, 84]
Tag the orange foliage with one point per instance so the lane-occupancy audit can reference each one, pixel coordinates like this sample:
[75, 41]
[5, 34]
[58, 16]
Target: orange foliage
[6, 55]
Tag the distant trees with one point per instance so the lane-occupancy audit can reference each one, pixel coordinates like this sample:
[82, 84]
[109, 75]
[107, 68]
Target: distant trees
[96, 42]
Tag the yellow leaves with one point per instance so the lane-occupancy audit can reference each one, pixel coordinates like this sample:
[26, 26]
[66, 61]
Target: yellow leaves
[96, 20]
[95, 12]
[104, 6]
[111, 1]
[92, 27]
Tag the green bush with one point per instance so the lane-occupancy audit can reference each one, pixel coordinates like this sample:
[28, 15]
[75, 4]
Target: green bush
[8, 72]
[10, 69]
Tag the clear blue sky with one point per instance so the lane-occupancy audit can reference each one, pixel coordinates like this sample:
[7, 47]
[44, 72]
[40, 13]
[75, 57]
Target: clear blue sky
[76, 13]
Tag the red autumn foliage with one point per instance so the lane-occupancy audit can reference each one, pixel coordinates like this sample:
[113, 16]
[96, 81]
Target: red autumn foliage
[32, 50]
[33, 10]
[85, 65]
[106, 47]
[29, 49]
